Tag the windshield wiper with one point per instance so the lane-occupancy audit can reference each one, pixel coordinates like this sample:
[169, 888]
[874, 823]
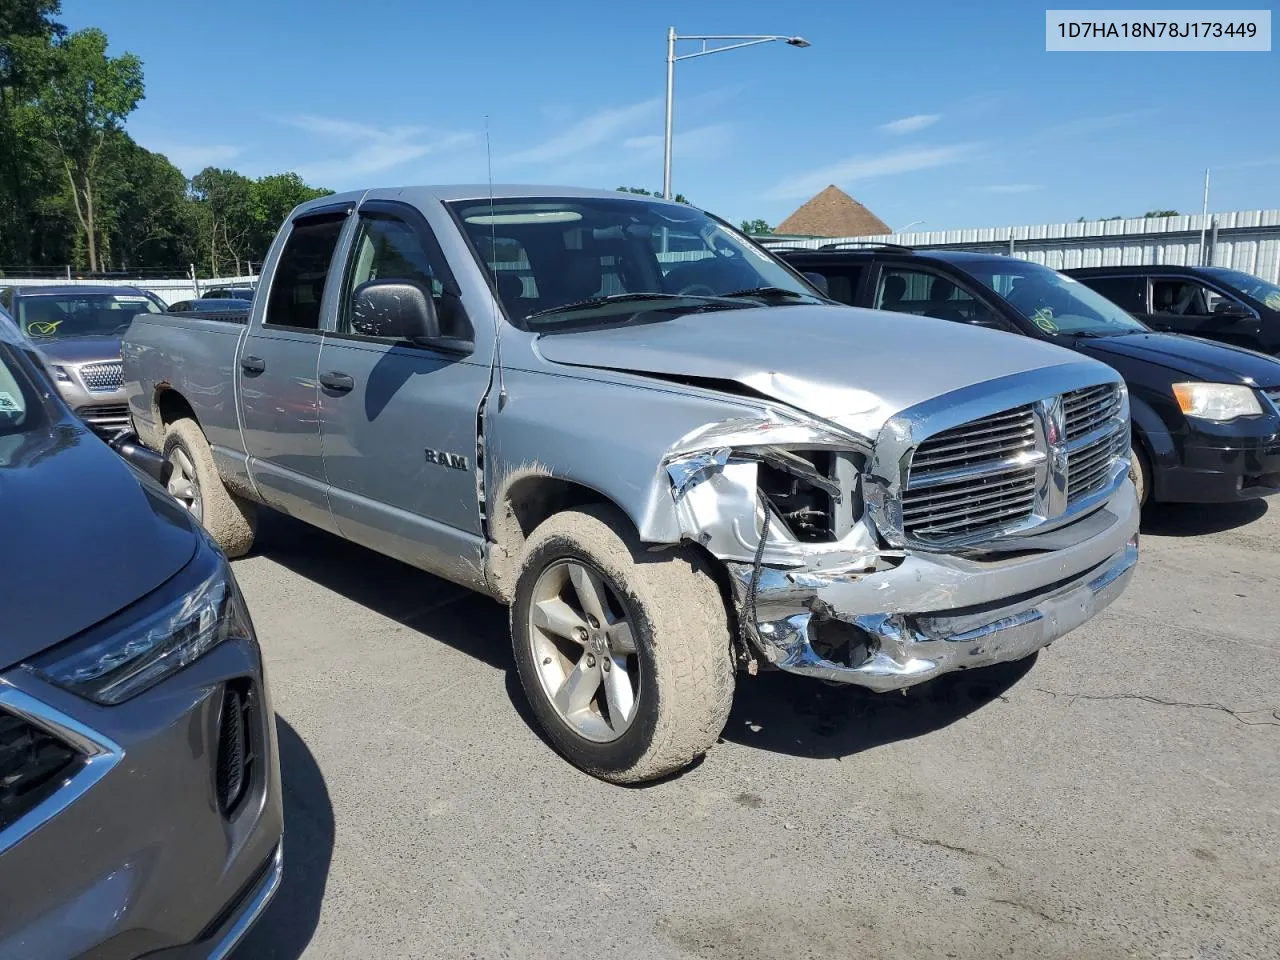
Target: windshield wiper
[766, 292]
[698, 302]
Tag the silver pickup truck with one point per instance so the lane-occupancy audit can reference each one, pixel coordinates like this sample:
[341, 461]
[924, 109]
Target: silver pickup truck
[665, 450]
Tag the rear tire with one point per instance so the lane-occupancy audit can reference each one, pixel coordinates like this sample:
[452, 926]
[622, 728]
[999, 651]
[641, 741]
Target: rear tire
[659, 627]
[194, 481]
[1140, 473]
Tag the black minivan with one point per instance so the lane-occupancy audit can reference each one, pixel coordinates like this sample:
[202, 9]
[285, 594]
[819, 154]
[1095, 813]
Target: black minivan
[1229, 306]
[1206, 416]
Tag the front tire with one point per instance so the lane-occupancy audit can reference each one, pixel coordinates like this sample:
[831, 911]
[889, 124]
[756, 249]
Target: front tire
[194, 481]
[624, 654]
[1140, 473]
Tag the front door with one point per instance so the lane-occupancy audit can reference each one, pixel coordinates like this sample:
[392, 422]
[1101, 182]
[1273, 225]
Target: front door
[279, 397]
[398, 420]
[1187, 305]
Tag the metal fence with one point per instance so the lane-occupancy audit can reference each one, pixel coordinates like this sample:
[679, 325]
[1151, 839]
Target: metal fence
[1247, 240]
[170, 291]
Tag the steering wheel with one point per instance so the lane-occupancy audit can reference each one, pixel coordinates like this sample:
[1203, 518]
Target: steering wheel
[696, 290]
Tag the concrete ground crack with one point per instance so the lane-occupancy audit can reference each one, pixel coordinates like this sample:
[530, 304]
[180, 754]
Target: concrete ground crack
[1271, 720]
[930, 842]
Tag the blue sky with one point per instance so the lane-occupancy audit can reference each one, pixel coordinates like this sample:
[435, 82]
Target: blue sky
[944, 112]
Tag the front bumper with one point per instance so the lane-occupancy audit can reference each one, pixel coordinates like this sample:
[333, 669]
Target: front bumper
[1222, 470]
[934, 614]
[138, 859]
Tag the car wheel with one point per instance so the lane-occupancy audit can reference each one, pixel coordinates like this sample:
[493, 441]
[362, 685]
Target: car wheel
[194, 481]
[1140, 473]
[624, 653]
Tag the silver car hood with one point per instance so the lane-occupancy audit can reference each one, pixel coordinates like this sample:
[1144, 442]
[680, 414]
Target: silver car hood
[854, 367]
[78, 349]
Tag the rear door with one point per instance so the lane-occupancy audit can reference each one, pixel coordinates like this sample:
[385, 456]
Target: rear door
[279, 395]
[1127, 293]
[927, 292]
[398, 420]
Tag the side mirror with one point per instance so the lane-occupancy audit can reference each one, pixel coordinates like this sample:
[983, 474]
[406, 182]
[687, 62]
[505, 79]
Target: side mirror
[1231, 310]
[819, 281]
[399, 309]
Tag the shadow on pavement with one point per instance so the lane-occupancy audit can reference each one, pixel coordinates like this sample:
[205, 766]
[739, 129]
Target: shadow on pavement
[1197, 519]
[283, 932]
[803, 717]
[465, 620]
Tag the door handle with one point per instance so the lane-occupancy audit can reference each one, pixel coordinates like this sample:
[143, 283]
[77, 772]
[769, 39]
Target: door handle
[337, 382]
[253, 364]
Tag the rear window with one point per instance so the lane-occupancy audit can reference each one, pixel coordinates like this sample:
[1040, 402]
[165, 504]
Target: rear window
[298, 287]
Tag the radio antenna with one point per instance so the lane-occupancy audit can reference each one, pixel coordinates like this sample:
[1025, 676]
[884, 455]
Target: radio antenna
[493, 273]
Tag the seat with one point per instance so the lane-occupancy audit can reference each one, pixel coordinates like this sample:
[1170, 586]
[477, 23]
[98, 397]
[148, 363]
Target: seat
[940, 305]
[895, 288]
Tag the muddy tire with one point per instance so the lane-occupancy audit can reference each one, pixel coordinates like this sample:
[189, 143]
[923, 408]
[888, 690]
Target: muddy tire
[624, 654]
[194, 481]
[1140, 473]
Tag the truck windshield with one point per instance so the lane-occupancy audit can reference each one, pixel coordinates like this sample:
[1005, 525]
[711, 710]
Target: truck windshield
[56, 316]
[1265, 293]
[559, 262]
[1055, 303]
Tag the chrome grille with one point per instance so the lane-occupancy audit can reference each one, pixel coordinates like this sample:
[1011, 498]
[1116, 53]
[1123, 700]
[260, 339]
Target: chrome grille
[1095, 437]
[976, 478]
[102, 377]
[106, 419]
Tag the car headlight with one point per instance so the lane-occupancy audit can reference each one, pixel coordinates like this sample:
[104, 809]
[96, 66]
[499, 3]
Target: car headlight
[163, 632]
[1217, 401]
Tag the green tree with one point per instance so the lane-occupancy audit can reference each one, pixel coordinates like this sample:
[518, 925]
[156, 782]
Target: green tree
[226, 219]
[678, 198]
[1161, 213]
[83, 102]
[153, 221]
[756, 227]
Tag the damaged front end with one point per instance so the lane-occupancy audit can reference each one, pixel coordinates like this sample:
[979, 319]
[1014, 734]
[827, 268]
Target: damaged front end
[808, 520]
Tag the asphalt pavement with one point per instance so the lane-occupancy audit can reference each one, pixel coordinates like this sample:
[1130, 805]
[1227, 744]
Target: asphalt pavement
[1117, 796]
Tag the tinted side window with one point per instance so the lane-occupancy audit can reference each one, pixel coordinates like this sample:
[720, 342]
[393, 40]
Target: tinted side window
[1180, 296]
[298, 286]
[387, 248]
[1127, 293]
[842, 282]
[929, 295]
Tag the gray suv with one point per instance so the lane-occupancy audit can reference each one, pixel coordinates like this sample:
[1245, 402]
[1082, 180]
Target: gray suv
[76, 330]
[140, 804]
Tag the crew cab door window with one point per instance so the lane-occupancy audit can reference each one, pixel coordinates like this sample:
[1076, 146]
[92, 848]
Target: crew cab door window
[1187, 305]
[842, 282]
[929, 294]
[388, 248]
[297, 288]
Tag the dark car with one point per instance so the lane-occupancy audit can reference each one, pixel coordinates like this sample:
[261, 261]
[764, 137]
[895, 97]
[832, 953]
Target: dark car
[140, 803]
[76, 330]
[1206, 416]
[208, 304]
[1214, 302]
[228, 293]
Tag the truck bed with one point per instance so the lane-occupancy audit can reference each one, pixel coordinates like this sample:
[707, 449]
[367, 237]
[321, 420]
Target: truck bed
[196, 356]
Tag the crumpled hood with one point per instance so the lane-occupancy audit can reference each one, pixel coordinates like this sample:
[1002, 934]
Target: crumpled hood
[82, 537]
[852, 366]
[78, 349]
[1198, 358]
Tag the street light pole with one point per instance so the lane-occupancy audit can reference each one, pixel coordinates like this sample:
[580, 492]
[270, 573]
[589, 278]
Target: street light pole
[742, 40]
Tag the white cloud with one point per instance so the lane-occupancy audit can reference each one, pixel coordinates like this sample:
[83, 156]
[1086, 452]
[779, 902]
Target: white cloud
[865, 167]
[192, 158]
[370, 149]
[912, 124]
[700, 142]
[600, 127]
[1012, 187]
